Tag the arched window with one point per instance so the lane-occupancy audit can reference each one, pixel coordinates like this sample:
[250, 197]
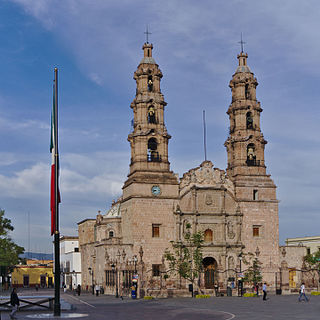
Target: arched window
[249, 120]
[246, 90]
[111, 234]
[208, 235]
[150, 83]
[151, 115]
[251, 155]
[153, 155]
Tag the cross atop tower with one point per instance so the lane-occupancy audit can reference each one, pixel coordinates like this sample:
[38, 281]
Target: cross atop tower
[147, 34]
[242, 43]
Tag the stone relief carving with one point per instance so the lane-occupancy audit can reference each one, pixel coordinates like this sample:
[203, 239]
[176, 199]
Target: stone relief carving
[206, 175]
[209, 200]
[230, 231]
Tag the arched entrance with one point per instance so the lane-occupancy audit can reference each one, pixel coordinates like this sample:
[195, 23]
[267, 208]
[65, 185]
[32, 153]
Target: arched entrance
[210, 266]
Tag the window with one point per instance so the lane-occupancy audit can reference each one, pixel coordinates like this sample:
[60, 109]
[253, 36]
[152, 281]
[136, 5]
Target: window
[308, 251]
[153, 155]
[249, 120]
[247, 94]
[255, 194]
[251, 155]
[150, 83]
[256, 231]
[208, 235]
[151, 115]
[76, 249]
[155, 230]
[156, 270]
[111, 234]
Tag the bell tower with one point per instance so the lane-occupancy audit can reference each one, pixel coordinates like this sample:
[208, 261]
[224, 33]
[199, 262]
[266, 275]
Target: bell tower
[245, 144]
[255, 191]
[149, 138]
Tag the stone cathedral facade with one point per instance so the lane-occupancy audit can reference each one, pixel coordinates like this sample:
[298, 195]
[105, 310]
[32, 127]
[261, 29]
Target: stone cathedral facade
[236, 209]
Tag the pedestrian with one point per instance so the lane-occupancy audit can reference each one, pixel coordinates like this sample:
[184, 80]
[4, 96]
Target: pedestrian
[97, 288]
[303, 293]
[79, 289]
[264, 289]
[64, 288]
[257, 289]
[14, 300]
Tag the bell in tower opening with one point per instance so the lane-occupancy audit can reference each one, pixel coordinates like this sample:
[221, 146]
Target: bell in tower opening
[151, 115]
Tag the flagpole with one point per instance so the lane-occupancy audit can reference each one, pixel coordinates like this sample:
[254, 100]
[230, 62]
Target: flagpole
[57, 305]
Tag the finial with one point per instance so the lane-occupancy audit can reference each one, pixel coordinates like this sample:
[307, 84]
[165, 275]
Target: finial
[242, 43]
[147, 34]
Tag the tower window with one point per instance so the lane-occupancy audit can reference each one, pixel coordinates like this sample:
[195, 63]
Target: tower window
[153, 155]
[255, 194]
[156, 231]
[247, 93]
[151, 115]
[111, 234]
[150, 83]
[251, 156]
[249, 120]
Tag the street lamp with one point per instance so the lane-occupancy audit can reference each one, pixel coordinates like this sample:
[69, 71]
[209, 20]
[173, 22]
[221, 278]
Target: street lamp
[240, 284]
[91, 273]
[113, 267]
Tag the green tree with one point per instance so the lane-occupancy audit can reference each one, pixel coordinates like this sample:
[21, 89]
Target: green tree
[312, 263]
[185, 258]
[253, 274]
[9, 251]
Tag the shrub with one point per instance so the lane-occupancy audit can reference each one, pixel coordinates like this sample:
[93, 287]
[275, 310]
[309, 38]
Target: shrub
[247, 295]
[203, 296]
[148, 298]
[315, 293]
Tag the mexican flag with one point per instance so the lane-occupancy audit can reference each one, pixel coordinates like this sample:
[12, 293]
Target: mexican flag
[54, 190]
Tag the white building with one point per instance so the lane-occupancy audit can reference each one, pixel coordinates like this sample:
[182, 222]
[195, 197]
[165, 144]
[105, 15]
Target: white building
[70, 261]
[311, 243]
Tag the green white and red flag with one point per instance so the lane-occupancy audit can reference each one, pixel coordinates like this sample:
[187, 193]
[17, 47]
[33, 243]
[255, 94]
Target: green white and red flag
[54, 189]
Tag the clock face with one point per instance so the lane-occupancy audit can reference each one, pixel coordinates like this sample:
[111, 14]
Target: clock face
[155, 190]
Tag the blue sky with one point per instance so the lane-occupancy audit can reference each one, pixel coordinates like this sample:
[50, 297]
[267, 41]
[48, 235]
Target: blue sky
[97, 46]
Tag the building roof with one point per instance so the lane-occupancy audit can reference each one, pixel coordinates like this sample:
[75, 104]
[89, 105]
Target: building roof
[114, 211]
[148, 60]
[244, 69]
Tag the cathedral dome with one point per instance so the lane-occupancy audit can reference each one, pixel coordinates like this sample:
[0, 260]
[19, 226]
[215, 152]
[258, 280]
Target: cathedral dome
[244, 69]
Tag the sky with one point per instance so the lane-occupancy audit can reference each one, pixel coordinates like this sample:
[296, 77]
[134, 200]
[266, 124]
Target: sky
[97, 46]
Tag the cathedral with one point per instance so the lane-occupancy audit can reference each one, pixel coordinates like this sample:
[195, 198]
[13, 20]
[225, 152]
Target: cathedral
[236, 209]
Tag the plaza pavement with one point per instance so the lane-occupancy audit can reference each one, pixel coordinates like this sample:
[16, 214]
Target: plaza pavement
[221, 308]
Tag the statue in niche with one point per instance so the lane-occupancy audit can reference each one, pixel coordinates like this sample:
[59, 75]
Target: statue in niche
[209, 200]
[231, 233]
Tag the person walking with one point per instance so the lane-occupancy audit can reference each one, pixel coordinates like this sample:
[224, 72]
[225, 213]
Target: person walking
[303, 292]
[14, 300]
[79, 289]
[264, 289]
[97, 288]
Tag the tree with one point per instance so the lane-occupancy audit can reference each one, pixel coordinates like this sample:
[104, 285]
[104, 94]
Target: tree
[9, 251]
[186, 256]
[253, 274]
[312, 263]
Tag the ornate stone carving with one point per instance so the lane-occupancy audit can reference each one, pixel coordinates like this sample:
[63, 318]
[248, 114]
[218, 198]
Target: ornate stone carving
[230, 231]
[209, 200]
[206, 175]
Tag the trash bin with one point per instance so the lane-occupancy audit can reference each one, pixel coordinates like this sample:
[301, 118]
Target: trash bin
[278, 291]
[229, 292]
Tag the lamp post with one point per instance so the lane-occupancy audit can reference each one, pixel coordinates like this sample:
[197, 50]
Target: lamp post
[113, 267]
[240, 283]
[91, 273]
